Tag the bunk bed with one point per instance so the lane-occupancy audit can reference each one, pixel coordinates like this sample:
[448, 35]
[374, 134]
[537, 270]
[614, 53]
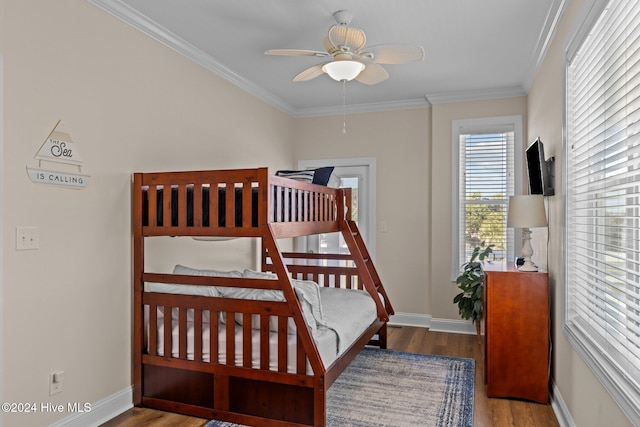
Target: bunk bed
[253, 348]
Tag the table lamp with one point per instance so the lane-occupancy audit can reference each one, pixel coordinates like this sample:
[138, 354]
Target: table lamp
[526, 211]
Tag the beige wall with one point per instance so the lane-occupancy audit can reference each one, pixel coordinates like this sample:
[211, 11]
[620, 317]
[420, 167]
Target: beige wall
[590, 405]
[442, 288]
[413, 153]
[130, 104]
[399, 141]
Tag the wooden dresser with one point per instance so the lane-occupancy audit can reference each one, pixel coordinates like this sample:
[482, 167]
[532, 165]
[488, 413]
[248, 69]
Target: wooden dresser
[516, 323]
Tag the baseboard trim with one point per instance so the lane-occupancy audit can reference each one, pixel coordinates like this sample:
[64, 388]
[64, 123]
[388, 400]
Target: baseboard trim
[437, 325]
[101, 411]
[410, 319]
[560, 408]
[453, 326]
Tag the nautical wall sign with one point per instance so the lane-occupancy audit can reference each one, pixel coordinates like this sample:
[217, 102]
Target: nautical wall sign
[42, 176]
[59, 148]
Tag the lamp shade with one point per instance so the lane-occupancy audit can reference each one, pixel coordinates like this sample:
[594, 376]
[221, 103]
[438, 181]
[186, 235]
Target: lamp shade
[526, 211]
[343, 69]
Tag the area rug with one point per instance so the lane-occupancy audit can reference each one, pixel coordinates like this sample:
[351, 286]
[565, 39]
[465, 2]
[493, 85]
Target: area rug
[391, 388]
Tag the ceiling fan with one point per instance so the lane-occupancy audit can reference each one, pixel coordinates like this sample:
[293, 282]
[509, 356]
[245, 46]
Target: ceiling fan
[350, 59]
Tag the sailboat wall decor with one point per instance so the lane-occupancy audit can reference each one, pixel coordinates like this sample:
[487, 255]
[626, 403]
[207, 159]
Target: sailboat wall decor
[59, 148]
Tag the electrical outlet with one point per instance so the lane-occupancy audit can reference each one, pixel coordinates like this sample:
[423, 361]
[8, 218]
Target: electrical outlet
[55, 382]
[27, 238]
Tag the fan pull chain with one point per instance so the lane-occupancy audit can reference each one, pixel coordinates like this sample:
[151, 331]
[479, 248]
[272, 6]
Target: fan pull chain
[344, 107]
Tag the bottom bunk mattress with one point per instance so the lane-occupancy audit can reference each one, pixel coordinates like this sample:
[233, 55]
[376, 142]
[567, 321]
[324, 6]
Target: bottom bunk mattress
[344, 315]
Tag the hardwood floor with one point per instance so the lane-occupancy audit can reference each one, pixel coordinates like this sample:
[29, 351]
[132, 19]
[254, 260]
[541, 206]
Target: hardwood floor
[487, 412]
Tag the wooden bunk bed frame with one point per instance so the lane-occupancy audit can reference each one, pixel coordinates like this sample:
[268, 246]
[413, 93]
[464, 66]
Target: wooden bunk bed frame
[244, 394]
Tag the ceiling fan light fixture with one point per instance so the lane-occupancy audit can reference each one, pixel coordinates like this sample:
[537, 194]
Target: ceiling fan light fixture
[351, 59]
[344, 70]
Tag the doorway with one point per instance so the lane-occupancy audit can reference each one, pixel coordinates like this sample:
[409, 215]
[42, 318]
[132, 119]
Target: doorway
[358, 174]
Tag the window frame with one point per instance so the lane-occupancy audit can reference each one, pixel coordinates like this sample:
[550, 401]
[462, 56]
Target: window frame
[487, 125]
[621, 389]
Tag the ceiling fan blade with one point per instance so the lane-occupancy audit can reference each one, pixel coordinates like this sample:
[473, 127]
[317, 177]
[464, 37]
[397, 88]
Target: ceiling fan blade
[393, 53]
[372, 74]
[309, 74]
[349, 37]
[295, 52]
[328, 46]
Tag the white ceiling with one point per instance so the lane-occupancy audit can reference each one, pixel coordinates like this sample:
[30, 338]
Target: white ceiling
[473, 49]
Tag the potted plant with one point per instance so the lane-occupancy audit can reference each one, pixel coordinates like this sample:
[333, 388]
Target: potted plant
[471, 282]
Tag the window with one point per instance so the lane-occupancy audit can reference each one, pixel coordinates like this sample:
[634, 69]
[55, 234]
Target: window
[602, 239]
[484, 162]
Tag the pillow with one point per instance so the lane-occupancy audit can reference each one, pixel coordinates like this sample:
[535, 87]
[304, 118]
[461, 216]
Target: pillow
[255, 294]
[252, 274]
[321, 176]
[181, 269]
[308, 294]
[334, 181]
[250, 293]
[169, 288]
[207, 291]
[306, 291]
[304, 176]
[212, 291]
[318, 176]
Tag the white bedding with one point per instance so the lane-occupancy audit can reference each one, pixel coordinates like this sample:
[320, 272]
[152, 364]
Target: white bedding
[326, 341]
[346, 315]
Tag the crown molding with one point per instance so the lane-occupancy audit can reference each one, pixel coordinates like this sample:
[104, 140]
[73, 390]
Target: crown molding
[140, 22]
[544, 40]
[147, 26]
[363, 108]
[478, 95]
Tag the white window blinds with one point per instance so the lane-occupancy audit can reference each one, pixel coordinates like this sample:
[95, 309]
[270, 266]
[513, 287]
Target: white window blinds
[486, 180]
[603, 201]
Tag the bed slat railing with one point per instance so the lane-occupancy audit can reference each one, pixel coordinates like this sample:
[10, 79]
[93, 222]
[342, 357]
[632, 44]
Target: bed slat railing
[298, 208]
[204, 203]
[236, 203]
[329, 270]
[305, 342]
[336, 270]
[366, 269]
[172, 316]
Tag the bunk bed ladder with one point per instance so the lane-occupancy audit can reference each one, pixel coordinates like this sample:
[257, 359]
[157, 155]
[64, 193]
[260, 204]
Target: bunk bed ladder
[363, 260]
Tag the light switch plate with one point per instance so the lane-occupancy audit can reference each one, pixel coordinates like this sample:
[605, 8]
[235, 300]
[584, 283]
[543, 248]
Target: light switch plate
[27, 238]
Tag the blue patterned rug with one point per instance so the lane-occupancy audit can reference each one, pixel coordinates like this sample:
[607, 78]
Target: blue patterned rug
[391, 388]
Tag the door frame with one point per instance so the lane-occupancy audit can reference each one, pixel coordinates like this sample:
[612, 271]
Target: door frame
[369, 163]
[1, 216]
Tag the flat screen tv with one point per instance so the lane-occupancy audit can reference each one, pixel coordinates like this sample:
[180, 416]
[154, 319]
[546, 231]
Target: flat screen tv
[540, 170]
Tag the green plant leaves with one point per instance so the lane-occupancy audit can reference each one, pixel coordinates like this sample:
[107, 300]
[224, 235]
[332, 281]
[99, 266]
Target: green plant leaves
[471, 283]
